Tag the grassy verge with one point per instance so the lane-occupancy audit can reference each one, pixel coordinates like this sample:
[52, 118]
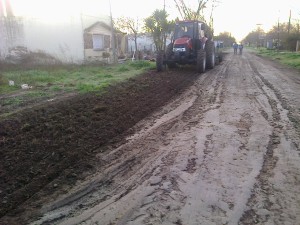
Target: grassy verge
[71, 78]
[49, 83]
[291, 59]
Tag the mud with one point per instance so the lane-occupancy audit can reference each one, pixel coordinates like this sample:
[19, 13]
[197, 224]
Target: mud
[216, 148]
[50, 146]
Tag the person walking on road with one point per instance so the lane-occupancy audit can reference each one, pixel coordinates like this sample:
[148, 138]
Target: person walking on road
[241, 48]
[235, 47]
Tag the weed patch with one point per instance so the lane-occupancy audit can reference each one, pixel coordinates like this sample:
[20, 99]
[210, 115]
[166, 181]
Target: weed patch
[291, 59]
[11, 101]
[140, 64]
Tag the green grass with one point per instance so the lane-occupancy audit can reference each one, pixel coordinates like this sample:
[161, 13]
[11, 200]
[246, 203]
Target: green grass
[11, 101]
[86, 78]
[21, 99]
[5, 88]
[291, 59]
[49, 82]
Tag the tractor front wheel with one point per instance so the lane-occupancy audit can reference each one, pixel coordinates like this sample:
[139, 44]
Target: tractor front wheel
[210, 54]
[201, 61]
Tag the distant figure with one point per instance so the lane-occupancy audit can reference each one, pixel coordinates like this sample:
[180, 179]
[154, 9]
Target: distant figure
[235, 48]
[241, 48]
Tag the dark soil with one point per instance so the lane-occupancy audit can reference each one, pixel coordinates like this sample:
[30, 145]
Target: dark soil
[47, 148]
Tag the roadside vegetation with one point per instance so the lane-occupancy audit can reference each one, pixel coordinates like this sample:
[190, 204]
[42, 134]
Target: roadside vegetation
[70, 78]
[281, 40]
[49, 83]
[291, 59]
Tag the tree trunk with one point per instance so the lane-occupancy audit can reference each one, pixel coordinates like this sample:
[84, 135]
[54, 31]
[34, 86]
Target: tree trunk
[135, 42]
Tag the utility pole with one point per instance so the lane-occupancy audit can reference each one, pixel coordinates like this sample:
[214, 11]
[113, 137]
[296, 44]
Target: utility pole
[113, 44]
[278, 35]
[289, 27]
[164, 33]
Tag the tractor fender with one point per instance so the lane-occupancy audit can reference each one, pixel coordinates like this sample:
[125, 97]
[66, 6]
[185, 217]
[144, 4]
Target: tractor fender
[203, 41]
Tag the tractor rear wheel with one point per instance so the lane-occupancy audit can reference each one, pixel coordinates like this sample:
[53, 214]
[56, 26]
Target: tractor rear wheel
[210, 54]
[160, 61]
[201, 61]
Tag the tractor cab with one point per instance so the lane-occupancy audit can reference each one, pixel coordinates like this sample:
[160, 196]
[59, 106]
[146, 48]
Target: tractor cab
[191, 29]
[188, 37]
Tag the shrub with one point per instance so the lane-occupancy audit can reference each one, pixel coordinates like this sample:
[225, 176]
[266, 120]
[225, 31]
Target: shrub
[140, 64]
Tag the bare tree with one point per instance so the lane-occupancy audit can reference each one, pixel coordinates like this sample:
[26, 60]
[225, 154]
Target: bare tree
[188, 13]
[130, 26]
[211, 18]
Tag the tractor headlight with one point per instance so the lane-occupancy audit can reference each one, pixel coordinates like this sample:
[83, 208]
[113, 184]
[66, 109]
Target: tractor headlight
[179, 49]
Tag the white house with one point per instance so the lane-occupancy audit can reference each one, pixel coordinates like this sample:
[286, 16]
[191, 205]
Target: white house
[97, 42]
[72, 38]
[144, 42]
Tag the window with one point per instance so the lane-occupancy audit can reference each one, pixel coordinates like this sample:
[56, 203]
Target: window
[98, 42]
[201, 31]
[101, 42]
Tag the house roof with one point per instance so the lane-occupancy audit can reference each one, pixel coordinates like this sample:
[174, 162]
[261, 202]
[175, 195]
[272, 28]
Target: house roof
[99, 23]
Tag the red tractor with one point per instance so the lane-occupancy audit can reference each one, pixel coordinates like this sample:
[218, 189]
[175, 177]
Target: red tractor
[192, 44]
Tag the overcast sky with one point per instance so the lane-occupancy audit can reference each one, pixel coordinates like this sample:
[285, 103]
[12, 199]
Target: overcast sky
[239, 17]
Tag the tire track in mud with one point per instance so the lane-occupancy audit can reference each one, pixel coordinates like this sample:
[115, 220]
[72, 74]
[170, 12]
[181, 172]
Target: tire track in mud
[244, 126]
[224, 205]
[119, 175]
[263, 188]
[213, 149]
[170, 199]
[210, 92]
[292, 114]
[192, 163]
[117, 179]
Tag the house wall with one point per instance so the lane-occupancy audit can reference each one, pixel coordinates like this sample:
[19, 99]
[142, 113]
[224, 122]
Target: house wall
[54, 27]
[11, 34]
[144, 42]
[63, 40]
[122, 45]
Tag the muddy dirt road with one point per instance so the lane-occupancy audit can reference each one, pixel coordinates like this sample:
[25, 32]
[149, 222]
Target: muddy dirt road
[226, 151]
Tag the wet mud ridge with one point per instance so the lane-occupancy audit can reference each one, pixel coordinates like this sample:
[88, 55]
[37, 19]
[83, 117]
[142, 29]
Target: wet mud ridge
[221, 149]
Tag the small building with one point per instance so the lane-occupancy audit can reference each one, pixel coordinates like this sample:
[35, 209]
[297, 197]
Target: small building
[73, 38]
[97, 42]
[145, 43]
